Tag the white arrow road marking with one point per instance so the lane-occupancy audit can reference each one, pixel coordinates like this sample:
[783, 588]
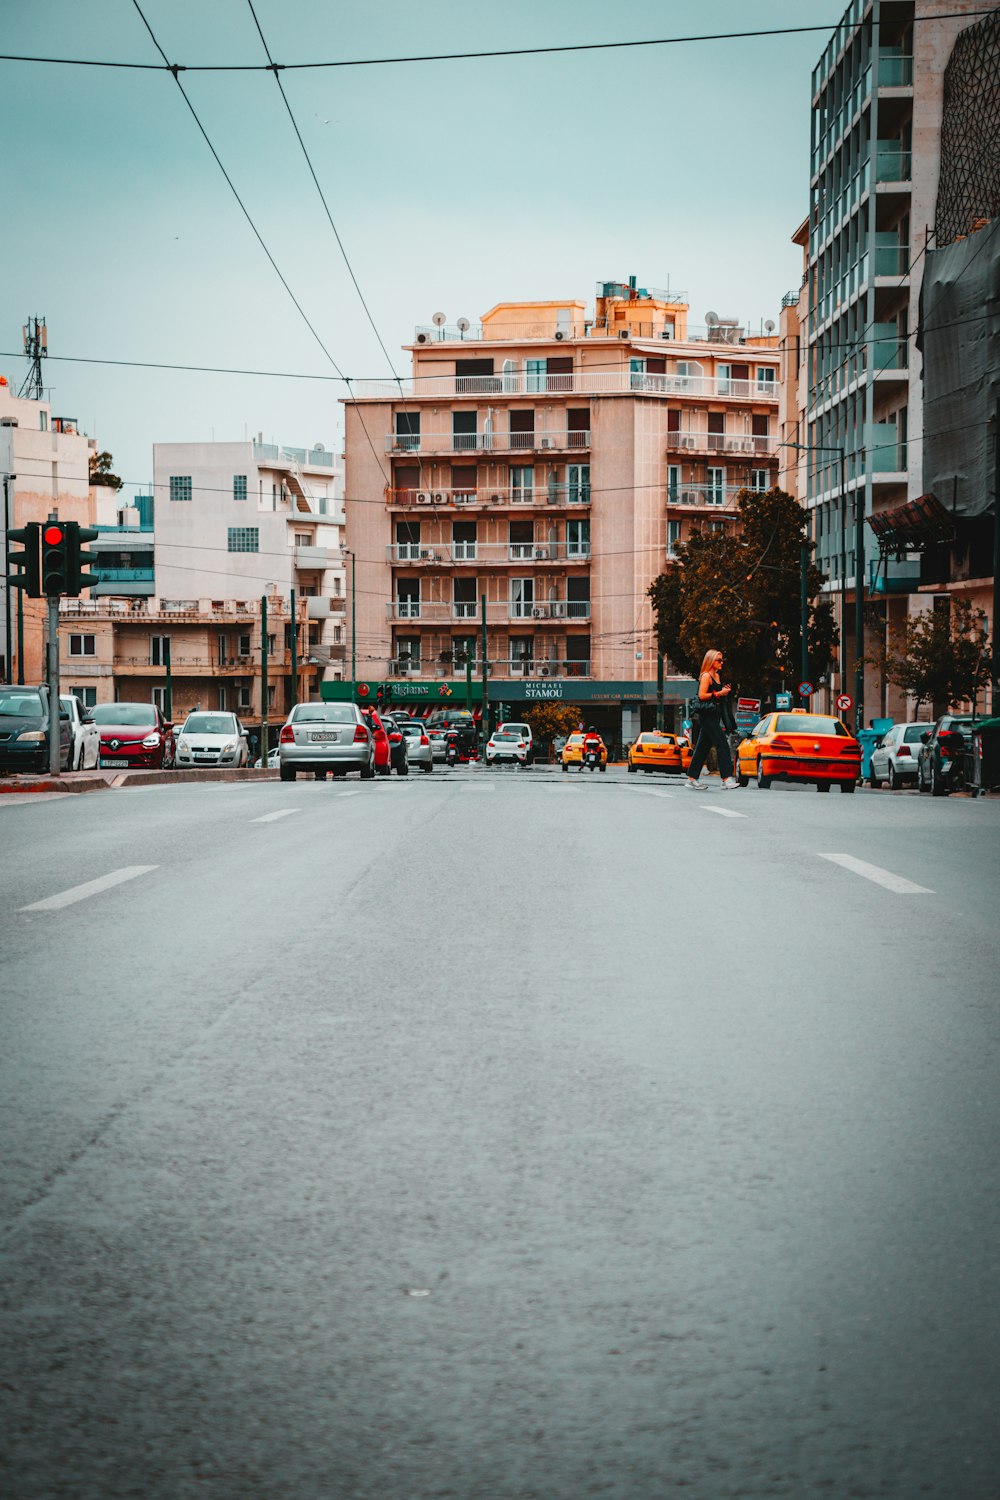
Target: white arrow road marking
[91, 888]
[897, 883]
[354, 792]
[272, 817]
[722, 812]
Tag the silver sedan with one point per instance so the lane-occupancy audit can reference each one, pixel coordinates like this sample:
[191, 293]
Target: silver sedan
[418, 746]
[322, 737]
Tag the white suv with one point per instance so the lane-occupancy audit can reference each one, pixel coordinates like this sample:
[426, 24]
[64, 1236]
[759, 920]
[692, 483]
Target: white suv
[894, 758]
[524, 732]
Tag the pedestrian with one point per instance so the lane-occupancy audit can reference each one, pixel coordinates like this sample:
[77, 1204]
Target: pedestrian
[711, 697]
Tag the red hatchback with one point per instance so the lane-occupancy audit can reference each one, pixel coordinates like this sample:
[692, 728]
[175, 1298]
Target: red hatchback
[133, 734]
[383, 753]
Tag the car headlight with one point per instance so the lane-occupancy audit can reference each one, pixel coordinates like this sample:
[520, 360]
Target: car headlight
[228, 749]
[37, 736]
[151, 741]
[183, 745]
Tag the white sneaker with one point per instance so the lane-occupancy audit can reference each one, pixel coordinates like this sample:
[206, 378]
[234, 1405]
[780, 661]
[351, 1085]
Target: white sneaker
[695, 785]
[730, 783]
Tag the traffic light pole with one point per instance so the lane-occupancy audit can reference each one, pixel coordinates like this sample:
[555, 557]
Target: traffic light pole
[55, 720]
[263, 683]
[20, 637]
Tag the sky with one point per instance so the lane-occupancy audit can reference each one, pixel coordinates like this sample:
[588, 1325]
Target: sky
[453, 185]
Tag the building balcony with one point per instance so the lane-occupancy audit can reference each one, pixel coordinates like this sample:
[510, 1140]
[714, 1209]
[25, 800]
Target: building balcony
[498, 612]
[893, 165]
[489, 554]
[311, 558]
[170, 611]
[745, 444]
[895, 69]
[219, 667]
[319, 607]
[695, 496]
[581, 382]
[486, 442]
[540, 495]
[282, 457]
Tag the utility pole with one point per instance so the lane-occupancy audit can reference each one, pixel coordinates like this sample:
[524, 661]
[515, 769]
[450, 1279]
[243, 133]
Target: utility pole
[468, 681]
[995, 622]
[295, 650]
[7, 640]
[843, 579]
[859, 609]
[20, 637]
[659, 690]
[354, 624]
[168, 691]
[263, 683]
[485, 718]
[52, 676]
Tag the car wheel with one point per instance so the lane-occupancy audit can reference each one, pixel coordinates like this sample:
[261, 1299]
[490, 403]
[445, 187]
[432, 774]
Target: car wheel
[763, 781]
[631, 769]
[848, 786]
[822, 786]
[921, 784]
[286, 773]
[742, 778]
[428, 768]
[320, 775]
[938, 788]
[895, 782]
[368, 771]
[565, 768]
[79, 760]
[604, 768]
[876, 781]
[404, 769]
[382, 770]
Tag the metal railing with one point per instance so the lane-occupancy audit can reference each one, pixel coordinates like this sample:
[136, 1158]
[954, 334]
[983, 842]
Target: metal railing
[745, 443]
[578, 382]
[316, 458]
[539, 494]
[485, 442]
[436, 611]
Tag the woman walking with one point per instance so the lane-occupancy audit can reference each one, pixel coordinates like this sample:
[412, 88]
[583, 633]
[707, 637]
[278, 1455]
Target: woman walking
[711, 694]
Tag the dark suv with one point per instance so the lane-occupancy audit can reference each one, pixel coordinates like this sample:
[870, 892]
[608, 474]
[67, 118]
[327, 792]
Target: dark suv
[941, 761]
[24, 730]
[464, 725]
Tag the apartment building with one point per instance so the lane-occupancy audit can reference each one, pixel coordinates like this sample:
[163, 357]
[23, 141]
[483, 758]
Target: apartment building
[44, 468]
[550, 459]
[877, 99]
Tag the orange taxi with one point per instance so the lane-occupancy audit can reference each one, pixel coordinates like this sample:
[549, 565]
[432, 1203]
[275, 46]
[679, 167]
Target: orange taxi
[572, 753]
[656, 751]
[800, 746]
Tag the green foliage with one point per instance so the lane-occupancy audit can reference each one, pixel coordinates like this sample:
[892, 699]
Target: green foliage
[549, 719]
[100, 471]
[941, 658]
[739, 594]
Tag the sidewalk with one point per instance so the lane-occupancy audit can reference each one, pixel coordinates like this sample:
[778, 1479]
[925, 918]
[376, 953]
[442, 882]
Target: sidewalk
[100, 781]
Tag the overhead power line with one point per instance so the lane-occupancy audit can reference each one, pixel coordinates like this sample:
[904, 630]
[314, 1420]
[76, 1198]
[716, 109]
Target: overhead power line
[427, 57]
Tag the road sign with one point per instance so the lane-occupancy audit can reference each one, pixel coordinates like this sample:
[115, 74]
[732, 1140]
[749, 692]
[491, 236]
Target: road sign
[686, 725]
[782, 700]
[845, 701]
[747, 713]
[806, 689]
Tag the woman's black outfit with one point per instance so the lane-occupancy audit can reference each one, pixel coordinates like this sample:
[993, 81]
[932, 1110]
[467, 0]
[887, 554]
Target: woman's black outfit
[711, 732]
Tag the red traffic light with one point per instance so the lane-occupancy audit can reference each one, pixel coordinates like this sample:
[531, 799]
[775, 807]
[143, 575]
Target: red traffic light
[53, 535]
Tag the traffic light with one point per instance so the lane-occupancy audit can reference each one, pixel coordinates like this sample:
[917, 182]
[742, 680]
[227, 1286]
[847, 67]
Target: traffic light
[55, 559]
[79, 558]
[24, 568]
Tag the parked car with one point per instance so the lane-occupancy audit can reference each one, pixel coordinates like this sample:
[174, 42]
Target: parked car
[212, 739]
[800, 746]
[325, 737]
[418, 744]
[943, 748]
[134, 734]
[438, 738]
[273, 761]
[399, 745]
[894, 758]
[24, 730]
[86, 736]
[654, 750]
[380, 740]
[524, 732]
[507, 745]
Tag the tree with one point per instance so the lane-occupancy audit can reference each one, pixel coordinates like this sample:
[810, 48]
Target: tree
[740, 594]
[940, 657]
[550, 719]
[100, 471]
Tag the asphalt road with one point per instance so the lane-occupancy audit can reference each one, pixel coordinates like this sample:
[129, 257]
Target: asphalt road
[494, 1135]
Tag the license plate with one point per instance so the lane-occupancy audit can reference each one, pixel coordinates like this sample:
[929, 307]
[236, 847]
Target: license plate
[323, 736]
[111, 765]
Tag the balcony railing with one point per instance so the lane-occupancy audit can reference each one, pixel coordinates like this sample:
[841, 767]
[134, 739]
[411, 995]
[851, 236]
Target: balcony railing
[892, 163]
[534, 668]
[717, 496]
[748, 444]
[895, 69]
[579, 382]
[183, 611]
[440, 612]
[315, 458]
[485, 442]
[538, 494]
[446, 554]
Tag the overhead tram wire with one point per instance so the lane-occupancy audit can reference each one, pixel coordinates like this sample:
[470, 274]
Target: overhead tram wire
[371, 62]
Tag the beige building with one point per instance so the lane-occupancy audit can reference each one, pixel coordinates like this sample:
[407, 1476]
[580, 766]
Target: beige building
[549, 459]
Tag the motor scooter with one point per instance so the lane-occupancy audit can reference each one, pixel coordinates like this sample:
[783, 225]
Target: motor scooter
[451, 750]
[592, 758]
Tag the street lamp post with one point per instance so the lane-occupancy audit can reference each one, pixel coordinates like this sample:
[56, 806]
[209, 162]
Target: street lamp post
[354, 618]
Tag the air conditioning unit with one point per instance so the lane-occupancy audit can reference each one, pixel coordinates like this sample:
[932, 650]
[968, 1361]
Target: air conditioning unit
[691, 497]
[559, 335]
[538, 613]
[423, 498]
[624, 333]
[545, 442]
[496, 499]
[544, 671]
[438, 498]
[541, 554]
[558, 609]
[686, 441]
[422, 338]
[429, 556]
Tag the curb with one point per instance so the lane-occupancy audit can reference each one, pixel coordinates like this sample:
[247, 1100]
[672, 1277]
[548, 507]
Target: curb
[94, 781]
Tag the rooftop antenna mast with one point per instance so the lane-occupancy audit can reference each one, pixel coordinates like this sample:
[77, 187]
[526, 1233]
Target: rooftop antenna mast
[36, 347]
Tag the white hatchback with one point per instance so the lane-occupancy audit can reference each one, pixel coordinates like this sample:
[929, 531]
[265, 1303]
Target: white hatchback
[524, 732]
[894, 758]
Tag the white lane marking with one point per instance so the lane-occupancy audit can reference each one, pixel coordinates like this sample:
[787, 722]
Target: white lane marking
[91, 888]
[354, 792]
[474, 786]
[897, 883]
[722, 812]
[649, 791]
[272, 817]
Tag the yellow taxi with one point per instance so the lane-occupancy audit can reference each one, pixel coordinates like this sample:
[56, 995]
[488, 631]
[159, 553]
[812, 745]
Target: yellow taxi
[656, 751]
[572, 753]
[800, 746]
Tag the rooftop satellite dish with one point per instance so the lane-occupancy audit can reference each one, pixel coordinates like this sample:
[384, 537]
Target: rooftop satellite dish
[439, 320]
[463, 325]
[769, 326]
[711, 319]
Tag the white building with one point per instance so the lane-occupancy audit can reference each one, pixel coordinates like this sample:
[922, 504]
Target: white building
[233, 521]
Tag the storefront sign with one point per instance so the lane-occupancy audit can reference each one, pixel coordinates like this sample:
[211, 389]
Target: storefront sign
[536, 692]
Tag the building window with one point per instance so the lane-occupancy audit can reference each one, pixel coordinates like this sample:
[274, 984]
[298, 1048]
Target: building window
[180, 486]
[244, 646]
[407, 434]
[577, 538]
[758, 481]
[463, 651]
[578, 598]
[243, 699]
[522, 598]
[270, 697]
[673, 483]
[159, 650]
[83, 645]
[522, 482]
[160, 699]
[522, 655]
[408, 598]
[765, 378]
[673, 537]
[408, 653]
[464, 598]
[715, 494]
[86, 695]
[239, 486]
[578, 484]
[244, 539]
[220, 700]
